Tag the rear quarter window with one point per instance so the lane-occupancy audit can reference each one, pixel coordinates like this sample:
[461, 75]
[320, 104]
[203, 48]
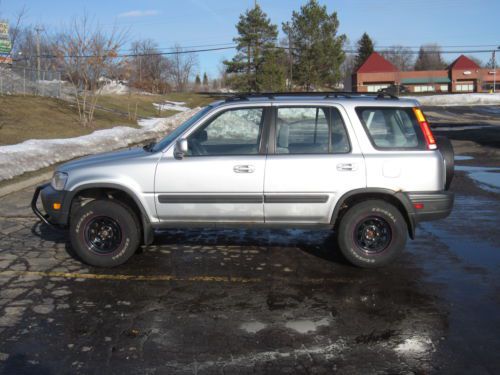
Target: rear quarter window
[392, 128]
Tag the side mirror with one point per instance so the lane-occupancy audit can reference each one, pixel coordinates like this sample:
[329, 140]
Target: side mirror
[181, 148]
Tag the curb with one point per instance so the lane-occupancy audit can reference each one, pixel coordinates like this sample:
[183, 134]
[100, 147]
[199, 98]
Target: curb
[16, 186]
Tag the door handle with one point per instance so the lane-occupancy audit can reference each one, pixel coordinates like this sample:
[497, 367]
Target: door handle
[342, 167]
[244, 169]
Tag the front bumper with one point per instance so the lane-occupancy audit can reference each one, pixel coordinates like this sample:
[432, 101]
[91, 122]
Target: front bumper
[432, 205]
[50, 196]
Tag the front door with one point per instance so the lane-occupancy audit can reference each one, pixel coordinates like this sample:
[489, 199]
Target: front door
[221, 177]
[312, 162]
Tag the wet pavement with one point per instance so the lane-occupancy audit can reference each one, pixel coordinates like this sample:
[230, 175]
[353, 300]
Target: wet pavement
[257, 301]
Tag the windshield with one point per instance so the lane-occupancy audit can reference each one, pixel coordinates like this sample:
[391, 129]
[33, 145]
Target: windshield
[180, 129]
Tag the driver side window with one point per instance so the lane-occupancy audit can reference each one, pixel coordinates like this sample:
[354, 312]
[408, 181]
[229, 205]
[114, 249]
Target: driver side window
[233, 132]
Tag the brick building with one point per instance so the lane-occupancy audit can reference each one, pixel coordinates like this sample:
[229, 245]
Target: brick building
[463, 75]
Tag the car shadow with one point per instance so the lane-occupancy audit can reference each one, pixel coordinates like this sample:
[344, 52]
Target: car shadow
[318, 243]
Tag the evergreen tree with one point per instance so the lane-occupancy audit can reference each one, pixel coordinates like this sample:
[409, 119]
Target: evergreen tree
[364, 50]
[256, 42]
[317, 50]
[197, 81]
[205, 80]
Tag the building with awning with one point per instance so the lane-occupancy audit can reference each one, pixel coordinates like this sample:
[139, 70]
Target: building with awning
[463, 75]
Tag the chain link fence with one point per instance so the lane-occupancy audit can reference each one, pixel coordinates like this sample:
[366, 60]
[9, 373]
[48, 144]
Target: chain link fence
[25, 81]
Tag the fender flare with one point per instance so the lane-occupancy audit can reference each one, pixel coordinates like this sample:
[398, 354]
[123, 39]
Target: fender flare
[148, 232]
[401, 197]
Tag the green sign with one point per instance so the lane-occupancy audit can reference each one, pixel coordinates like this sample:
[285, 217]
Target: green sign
[5, 46]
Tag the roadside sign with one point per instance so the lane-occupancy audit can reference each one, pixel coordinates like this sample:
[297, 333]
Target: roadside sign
[5, 44]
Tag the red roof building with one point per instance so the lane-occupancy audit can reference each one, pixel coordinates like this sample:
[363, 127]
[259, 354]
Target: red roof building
[463, 75]
[376, 64]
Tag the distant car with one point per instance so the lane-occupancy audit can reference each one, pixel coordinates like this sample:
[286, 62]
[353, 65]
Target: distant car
[366, 166]
[395, 90]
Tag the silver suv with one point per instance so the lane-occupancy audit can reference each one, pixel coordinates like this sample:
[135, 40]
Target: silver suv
[366, 166]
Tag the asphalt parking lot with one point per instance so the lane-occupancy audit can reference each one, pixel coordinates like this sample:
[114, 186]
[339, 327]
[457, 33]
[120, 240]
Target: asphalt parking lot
[262, 301]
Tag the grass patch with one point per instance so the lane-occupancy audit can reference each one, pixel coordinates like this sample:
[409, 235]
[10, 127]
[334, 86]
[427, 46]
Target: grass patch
[34, 117]
[127, 104]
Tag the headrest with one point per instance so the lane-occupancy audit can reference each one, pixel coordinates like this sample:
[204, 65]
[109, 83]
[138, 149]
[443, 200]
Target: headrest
[283, 136]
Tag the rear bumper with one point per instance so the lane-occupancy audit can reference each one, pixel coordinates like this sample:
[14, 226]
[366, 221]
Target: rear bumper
[433, 205]
[50, 196]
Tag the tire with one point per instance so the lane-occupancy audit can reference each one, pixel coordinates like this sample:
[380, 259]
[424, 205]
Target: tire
[446, 149]
[372, 233]
[104, 233]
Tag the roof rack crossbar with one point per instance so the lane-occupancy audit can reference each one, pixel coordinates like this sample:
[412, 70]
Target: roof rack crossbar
[325, 94]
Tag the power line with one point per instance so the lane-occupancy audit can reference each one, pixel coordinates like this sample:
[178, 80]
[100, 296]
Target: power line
[186, 51]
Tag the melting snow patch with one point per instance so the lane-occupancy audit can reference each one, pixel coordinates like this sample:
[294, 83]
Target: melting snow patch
[414, 345]
[171, 106]
[35, 154]
[114, 87]
[457, 99]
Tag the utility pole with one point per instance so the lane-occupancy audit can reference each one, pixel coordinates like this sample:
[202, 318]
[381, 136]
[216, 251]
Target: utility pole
[38, 30]
[495, 69]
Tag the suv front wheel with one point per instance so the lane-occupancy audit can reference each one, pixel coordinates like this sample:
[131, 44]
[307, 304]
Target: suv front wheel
[371, 233]
[104, 233]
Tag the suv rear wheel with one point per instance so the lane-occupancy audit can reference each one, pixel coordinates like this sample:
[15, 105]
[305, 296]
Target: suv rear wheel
[372, 233]
[104, 233]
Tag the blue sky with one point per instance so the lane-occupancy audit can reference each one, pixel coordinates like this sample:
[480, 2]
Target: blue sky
[202, 22]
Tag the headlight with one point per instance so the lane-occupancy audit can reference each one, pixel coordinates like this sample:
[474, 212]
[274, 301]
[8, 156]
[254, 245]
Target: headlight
[59, 180]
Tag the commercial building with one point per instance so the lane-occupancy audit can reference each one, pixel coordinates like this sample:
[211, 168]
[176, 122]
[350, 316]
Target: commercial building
[463, 75]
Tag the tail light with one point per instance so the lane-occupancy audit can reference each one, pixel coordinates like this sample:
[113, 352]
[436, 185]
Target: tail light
[426, 129]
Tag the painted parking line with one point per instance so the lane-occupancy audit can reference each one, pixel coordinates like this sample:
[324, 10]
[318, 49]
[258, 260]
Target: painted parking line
[94, 276]
[200, 278]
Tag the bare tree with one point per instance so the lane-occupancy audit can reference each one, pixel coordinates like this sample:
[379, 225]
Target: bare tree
[399, 56]
[16, 26]
[429, 58]
[149, 69]
[87, 54]
[182, 65]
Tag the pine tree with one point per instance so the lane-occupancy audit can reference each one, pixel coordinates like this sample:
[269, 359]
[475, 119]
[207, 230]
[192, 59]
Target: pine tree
[364, 50]
[197, 81]
[205, 80]
[317, 52]
[256, 38]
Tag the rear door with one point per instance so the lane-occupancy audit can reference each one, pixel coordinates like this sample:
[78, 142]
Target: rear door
[313, 160]
[221, 178]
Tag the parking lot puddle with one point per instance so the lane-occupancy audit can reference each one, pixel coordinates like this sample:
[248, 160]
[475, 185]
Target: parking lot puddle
[488, 178]
[305, 326]
[253, 327]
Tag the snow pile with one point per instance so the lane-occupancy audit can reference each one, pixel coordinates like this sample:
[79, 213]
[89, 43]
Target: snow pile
[458, 99]
[114, 88]
[171, 106]
[35, 154]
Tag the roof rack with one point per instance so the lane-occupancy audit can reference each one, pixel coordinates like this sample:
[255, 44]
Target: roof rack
[324, 94]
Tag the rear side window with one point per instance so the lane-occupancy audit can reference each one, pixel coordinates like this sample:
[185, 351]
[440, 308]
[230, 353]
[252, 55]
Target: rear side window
[310, 130]
[392, 128]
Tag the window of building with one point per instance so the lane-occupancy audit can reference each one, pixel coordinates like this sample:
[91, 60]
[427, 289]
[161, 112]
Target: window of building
[423, 88]
[464, 87]
[443, 88]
